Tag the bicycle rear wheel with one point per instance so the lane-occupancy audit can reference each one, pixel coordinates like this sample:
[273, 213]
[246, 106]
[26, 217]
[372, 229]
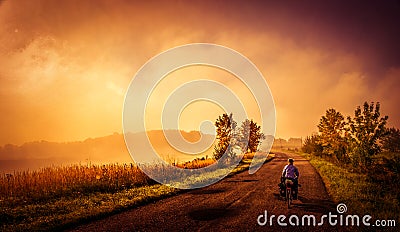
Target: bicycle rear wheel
[289, 197]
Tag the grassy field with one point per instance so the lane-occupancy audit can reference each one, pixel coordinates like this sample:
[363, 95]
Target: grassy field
[361, 193]
[59, 197]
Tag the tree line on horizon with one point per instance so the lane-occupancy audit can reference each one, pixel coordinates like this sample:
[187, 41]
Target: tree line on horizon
[356, 140]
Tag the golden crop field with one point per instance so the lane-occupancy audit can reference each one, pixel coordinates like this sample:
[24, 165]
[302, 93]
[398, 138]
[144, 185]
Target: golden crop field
[57, 197]
[63, 181]
[30, 186]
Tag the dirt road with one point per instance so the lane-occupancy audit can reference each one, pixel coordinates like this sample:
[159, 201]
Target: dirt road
[233, 204]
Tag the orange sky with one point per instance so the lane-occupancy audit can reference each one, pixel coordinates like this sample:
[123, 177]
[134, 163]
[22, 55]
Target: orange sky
[65, 65]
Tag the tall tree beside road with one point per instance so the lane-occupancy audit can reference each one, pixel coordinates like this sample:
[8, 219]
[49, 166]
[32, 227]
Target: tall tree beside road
[332, 134]
[365, 130]
[250, 136]
[225, 128]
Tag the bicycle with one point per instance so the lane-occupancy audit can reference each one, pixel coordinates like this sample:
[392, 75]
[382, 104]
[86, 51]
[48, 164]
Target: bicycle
[289, 192]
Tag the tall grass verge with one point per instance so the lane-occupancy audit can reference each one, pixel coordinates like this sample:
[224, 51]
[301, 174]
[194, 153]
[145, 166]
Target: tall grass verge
[361, 193]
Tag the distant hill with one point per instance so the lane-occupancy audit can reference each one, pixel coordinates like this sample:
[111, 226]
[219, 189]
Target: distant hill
[107, 149]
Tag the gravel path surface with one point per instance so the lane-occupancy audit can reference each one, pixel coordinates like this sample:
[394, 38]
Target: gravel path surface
[233, 204]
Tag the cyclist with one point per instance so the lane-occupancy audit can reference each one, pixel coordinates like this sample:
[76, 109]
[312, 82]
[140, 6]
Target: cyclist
[291, 173]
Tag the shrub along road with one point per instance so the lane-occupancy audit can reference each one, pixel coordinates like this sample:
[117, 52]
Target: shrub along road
[233, 204]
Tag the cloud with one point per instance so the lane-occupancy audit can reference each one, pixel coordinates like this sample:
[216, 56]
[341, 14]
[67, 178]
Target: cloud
[64, 65]
[386, 91]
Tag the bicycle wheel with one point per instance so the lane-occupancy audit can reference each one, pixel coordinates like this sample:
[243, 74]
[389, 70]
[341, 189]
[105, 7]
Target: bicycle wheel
[289, 197]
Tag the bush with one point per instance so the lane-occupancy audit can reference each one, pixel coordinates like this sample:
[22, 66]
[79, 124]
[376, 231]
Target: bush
[312, 145]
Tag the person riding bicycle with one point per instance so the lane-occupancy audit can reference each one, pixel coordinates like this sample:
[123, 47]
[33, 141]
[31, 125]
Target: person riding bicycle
[290, 173]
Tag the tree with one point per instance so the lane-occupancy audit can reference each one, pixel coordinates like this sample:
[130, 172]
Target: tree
[225, 133]
[332, 130]
[312, 145]
[250, 136]
[391, 141]
[365, 130]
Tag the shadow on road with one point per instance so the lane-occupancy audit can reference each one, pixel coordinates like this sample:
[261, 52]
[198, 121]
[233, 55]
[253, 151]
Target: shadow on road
[241, 180]
[207, 191]
[311, 205]
[315, 205]
[208, 214]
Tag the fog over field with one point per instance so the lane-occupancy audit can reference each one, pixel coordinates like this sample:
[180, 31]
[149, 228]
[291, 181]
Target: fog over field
[101, 150]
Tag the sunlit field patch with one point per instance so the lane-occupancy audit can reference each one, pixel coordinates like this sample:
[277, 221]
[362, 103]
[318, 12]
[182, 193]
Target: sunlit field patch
[59, 197]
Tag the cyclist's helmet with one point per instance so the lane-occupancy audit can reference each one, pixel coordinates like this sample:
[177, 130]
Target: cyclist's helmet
[291, 160]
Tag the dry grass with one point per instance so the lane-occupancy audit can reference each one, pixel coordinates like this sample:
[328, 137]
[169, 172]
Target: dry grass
[47, 183]
[57, 197]
[197, 163]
